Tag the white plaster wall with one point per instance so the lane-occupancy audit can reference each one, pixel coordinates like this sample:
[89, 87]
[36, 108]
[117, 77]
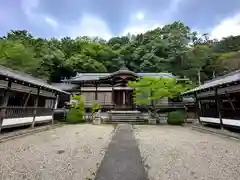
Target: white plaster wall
[233, 122]
[25, 120]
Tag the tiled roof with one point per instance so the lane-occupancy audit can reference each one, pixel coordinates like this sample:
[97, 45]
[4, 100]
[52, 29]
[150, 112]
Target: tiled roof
[97, 76]
[64, 86]
[221, 80]
[7, 72]
[155, 74]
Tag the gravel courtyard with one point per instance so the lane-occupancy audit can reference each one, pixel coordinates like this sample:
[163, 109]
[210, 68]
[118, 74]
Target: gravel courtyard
[178, 153]
[71, 152]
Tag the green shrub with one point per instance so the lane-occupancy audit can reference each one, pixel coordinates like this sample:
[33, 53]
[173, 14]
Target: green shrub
[76, 112]
[176, 117]
[95, 107]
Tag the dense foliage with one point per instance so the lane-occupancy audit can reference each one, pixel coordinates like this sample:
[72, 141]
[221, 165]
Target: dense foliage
[76, 112]
[173, 48]
[150, 91]
[94, 109]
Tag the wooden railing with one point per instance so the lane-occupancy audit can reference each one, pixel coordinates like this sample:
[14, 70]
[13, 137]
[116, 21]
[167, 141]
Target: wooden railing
[90, 103]
[164, 105]
[18, 112]
[170, 105]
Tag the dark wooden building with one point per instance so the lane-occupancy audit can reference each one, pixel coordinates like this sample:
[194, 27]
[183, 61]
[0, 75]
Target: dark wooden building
[110, 90]
[25, 99]
[218, 100]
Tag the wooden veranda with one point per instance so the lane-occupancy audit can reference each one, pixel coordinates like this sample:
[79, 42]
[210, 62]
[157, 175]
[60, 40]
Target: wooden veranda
[218, 100]
[25, 99]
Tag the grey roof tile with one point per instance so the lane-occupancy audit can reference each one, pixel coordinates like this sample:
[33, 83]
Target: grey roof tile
[221, 80]
[7, 72]
[64, 86]
[97, 76]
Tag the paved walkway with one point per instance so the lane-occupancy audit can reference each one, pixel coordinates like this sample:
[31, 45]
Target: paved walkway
[122, 160]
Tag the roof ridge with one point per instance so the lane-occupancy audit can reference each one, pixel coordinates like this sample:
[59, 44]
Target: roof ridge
[22, 76]
[223, 76]
[22, 73]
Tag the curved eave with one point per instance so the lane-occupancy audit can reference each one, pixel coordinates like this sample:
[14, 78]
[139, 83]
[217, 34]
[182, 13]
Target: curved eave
[119, 72]
[208, 89]
[87, 81]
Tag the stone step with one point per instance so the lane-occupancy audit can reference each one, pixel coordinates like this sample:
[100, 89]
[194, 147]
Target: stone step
[122, 121]
[124, 116]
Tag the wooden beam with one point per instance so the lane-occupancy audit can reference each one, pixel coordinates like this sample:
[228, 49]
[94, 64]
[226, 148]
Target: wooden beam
[152, 103]
[218, 107]
[26, 101]
[4, 103]
[96, 91]
[55, 107]
[112, 93]
[198, 103]
[35, 107]
[80, 89]
[230, 101]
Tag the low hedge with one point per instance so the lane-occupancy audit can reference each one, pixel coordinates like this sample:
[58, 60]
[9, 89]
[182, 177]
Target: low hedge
[176, 117]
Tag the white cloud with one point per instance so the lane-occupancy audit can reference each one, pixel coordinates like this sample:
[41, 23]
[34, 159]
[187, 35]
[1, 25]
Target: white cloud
[140, 24]
[139, 15]
[170, 12]
[90, 26]
[51, 22]
[29, 8]
[227, 27]
[140, 28]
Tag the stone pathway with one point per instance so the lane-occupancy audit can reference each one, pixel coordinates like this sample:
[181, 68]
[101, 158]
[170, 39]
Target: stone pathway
[122, 160]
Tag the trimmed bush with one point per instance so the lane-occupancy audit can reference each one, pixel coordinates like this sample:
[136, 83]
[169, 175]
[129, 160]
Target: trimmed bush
[176, 117]
[76, 112]
[95, 107]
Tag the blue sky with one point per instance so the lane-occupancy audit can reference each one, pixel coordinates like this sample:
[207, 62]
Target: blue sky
[107, 18]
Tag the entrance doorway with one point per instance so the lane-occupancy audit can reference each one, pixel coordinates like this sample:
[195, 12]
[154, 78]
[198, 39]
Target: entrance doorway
[123, 99]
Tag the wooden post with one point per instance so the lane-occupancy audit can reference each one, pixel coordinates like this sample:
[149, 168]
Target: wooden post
[80, 89]
[29, 94]
[230, 101]
[112, 94]
[4, 103]
[199, 77]
[56, 101]
[55, 107]
[96, 92]
[152, 102]
[124, 98]
[35, 107]
[198, 107]
[217, 100]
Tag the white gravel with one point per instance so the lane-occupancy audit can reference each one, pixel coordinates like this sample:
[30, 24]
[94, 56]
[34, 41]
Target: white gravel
[71, 152]
[178, 153]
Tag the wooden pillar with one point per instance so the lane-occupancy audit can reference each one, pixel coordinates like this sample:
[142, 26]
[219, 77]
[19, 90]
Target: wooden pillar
[217, 100]
[96, 92]
[4, 103]
[198, 104]
[124, 98]
[55, 107]
[112, 94]
[152, 102]
[26, 101]
[80, 89]
[56, 101]
[35, 107]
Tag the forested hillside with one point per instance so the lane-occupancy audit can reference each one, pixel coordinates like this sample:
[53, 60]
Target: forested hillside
[174, 48]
